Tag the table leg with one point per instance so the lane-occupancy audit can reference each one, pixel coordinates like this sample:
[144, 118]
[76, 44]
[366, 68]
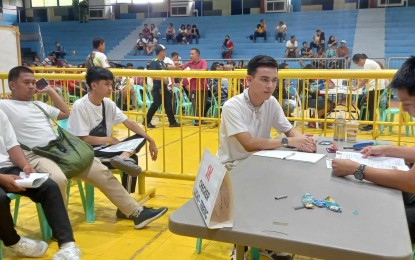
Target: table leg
[240, 252]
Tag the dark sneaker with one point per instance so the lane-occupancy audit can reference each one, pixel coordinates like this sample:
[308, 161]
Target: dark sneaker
[367, 128]
[127, 165]
[147, 216]
[122, 215]
[149, 125]
[174, 125]
[276, 255]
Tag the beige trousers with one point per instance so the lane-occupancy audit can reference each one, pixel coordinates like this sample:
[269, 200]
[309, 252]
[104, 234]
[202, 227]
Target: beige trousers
[97, 175]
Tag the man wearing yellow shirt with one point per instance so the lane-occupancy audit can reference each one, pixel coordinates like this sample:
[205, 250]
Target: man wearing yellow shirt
[261, 30]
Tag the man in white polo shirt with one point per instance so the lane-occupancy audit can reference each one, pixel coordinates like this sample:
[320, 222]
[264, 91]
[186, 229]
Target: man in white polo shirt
[97, 58]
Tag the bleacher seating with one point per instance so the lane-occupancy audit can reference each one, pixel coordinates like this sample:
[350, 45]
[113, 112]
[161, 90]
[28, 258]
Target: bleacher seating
[399, 31]
[77, 37]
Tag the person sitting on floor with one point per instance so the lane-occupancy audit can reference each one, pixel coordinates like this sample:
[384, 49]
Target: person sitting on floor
[12, 162]
[27, 118]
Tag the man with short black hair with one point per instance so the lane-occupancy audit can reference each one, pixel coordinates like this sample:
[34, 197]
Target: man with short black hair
[404, 84]
[97, 58]
[198, 87]
[158, 64]
[291, 48]
[33, 129]
[50, 60]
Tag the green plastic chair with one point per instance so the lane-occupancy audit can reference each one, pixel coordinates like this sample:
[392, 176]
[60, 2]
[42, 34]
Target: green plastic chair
[182, 102]
[44, 226]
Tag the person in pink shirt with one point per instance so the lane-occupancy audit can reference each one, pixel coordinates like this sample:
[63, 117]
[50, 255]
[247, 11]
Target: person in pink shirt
[198, 87]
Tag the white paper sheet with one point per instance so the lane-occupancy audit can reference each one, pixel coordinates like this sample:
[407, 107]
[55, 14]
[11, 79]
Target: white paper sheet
[33, 181]
[127, 146]
[291, 155]
[375, 162]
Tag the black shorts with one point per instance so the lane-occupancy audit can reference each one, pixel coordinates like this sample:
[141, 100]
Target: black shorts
[140, 48]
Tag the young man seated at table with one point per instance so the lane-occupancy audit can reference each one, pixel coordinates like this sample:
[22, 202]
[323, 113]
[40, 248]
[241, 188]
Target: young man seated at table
[94, 115]
[404, 84]
[12, 162]
[247, 120]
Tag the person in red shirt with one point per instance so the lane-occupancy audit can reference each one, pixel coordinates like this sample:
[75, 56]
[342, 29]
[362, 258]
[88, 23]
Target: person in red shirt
[198, 87]
[227, 48]
[146, 31]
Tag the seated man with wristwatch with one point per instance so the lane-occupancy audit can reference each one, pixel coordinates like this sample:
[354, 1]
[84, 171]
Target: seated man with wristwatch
[404, 84]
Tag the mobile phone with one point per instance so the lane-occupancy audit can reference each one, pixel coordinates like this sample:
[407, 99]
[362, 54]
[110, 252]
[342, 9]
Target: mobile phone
[41, 83]
[325, 142]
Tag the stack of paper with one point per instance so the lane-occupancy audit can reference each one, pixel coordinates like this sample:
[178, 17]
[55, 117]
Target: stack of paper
[375, 162]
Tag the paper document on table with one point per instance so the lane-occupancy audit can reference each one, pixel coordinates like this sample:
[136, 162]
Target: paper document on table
[127, 146]
[280, 154]
[375, 162]
[291, 155]
[33, 181]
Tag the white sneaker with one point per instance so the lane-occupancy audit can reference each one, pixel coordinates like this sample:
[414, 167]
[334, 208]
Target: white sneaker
[27, 247]
[69, 253]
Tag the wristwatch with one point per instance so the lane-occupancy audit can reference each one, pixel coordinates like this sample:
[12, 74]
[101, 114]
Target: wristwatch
[284, 142]
[359, 174]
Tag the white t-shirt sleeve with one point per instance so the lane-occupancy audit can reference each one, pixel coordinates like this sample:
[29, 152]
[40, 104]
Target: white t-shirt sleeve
[52, 111]
[233, 120]
[78, 122]
[118, 116]
[280, 121]
[7, 132]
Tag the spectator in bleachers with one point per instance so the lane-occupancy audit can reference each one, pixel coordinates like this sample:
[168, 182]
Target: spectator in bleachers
[181, 35]
[49, 61]
[97, 58]
[361, 60]
[321, 62]
[151, 45]
[188, 32]
[12, 163]
[315, 43]
[227, 48]
[322, 42]
[332, 52]
[84, 11]
[343, 52]
[170, 33]
[291, 48]
[261, 30]
[59, 51]
[177, 60]
[133, 92]
[306, 52]
[146, 31]
[140, 44]
[281, 32]
[158, 64]
[198, 87]
[154, 31]
[213, 85]
[194, 34]
[36, 61]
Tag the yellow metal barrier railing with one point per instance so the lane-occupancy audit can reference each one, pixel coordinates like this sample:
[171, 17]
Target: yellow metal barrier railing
[193, 140]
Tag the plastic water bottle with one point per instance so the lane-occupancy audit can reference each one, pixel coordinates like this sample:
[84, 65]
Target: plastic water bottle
[339, 128]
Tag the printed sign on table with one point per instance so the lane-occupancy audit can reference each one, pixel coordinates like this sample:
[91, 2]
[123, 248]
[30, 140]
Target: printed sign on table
[213, 193]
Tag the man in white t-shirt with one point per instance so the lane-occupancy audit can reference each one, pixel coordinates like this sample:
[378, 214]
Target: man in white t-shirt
[87, 121]
[247, 120]
[97, 57]
[291, 48]
[12, 162]
[33, 128]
